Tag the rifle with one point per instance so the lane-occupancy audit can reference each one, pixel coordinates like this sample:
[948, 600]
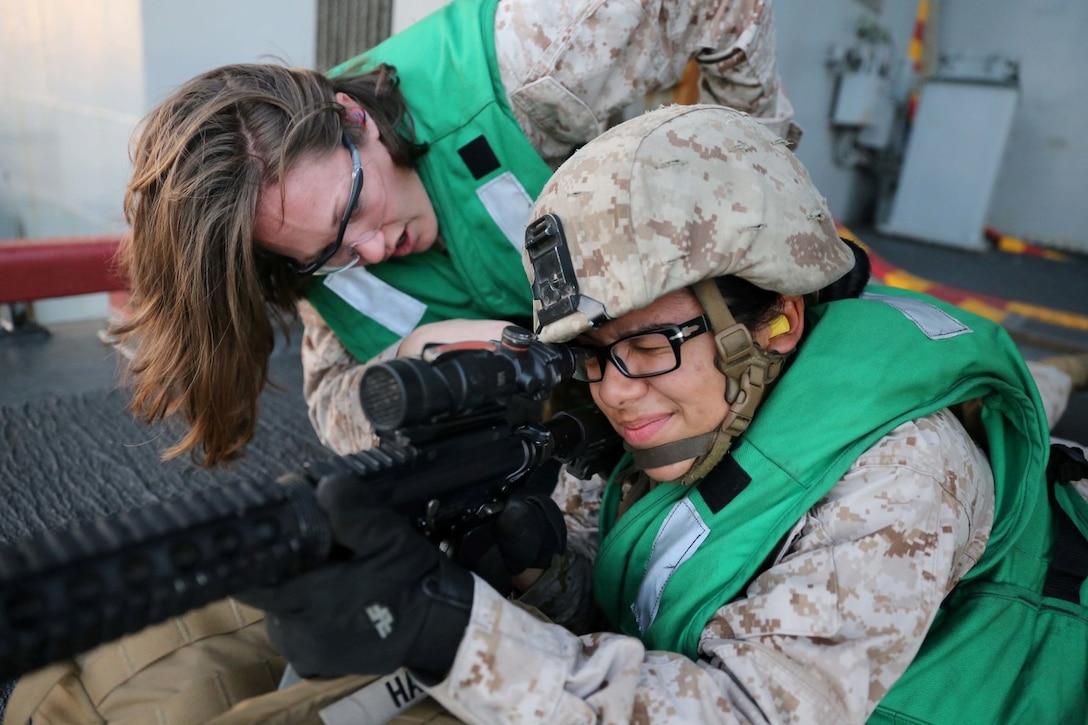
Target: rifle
[451, 453]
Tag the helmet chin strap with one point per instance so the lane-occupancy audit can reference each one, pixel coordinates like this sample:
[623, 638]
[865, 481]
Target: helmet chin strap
[748, 371]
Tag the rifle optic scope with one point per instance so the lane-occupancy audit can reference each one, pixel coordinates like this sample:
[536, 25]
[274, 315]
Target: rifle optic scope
[460, 378]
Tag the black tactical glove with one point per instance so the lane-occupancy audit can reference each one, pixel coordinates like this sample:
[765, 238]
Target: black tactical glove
[396, 602]
[529, 532]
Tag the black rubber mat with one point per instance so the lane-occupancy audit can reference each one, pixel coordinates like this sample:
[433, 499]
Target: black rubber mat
[68, 458]
[78, 457]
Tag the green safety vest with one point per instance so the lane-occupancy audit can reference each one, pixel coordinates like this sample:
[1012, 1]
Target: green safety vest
[998, 651]
[480, 172]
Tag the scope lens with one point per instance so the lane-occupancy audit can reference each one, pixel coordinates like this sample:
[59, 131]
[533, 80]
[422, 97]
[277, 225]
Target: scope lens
[382, 396]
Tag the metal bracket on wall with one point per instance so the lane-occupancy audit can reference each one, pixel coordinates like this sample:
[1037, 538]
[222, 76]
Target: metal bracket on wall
[971, 68]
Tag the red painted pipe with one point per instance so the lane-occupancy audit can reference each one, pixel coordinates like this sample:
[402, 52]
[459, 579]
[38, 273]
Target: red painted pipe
[36, 269]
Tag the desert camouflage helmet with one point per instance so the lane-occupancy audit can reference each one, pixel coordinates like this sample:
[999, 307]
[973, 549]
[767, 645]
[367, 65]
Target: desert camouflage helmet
[674, 196]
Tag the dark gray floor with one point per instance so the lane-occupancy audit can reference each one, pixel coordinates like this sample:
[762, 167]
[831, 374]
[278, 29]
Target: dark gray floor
[1022, 277]
[70, 360]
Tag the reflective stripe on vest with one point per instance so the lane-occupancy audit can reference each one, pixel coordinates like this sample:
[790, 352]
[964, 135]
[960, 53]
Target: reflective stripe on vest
[509, 205]
[934, 323]
[677, 540]
[397, 311]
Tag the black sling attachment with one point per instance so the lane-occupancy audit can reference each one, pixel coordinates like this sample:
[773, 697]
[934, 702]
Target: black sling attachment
[1069, 566]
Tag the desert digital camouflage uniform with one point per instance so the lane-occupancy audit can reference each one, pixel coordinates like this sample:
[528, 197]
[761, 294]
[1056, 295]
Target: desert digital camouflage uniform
[1055, 387]
[569, 67]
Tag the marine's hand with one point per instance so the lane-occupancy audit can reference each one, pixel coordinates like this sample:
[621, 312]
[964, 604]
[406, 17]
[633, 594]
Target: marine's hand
[529, 532]
[396, 602]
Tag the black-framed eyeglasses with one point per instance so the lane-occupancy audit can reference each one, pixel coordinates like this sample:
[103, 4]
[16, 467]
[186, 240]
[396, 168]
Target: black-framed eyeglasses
[353, 199]
[642, 355]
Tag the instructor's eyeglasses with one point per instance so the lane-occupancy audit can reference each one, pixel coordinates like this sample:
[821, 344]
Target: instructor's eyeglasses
[353, 199]
[642, 355]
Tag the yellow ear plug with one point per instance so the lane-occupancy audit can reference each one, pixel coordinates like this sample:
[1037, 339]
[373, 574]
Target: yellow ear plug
[779, 326]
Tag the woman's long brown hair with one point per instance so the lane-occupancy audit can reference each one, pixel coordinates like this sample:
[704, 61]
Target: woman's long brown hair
[205, 299]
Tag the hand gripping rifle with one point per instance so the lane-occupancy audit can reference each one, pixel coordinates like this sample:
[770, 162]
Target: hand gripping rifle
[450, 455]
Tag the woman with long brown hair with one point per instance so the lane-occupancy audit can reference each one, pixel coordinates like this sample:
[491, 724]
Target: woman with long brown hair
[385, 197]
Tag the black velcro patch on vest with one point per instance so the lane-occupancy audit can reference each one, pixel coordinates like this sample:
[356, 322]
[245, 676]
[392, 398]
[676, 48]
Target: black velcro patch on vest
[723, 484]
[478, 157]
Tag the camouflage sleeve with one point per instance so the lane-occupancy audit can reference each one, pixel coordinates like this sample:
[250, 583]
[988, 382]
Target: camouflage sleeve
[1055, 387]
[743, 74]
[819, 637]
[330, 386]
[570, 66]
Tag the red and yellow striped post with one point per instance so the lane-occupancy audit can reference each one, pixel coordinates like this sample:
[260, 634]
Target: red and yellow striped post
[916, 51]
